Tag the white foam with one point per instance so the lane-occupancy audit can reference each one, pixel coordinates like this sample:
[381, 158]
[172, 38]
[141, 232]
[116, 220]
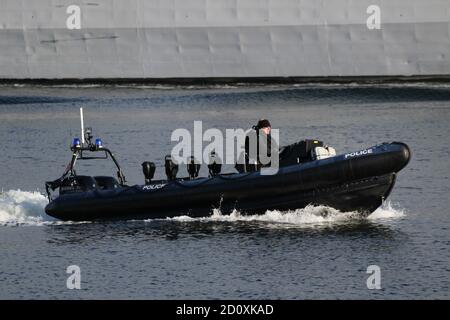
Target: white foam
[387, 212]
[308, 216]
[23, 208]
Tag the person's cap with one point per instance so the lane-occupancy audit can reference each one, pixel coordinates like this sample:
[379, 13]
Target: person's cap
[263, 123]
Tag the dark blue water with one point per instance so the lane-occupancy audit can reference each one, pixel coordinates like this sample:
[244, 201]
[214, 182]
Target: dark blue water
[288, 255]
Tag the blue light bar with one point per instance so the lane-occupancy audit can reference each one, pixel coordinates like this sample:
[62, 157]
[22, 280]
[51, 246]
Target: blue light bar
[98, 143]
[76, 143]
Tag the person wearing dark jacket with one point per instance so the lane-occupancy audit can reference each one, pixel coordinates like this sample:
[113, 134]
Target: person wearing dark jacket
[258, 146]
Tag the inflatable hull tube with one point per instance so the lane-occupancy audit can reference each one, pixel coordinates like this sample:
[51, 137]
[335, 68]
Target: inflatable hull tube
[358, 181]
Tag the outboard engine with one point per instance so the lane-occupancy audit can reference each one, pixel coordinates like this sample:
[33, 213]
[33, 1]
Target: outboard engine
[215, 164]
[193, 168]
[148, 168]
[171, 168]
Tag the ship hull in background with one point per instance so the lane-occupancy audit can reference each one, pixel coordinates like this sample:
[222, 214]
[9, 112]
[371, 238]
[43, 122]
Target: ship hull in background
[238, 39]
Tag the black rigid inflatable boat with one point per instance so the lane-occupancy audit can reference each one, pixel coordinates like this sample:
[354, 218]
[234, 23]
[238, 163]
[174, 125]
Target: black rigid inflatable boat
[355, 181]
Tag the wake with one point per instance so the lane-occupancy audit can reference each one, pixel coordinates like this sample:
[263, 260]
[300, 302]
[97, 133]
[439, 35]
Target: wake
[23, 208]
[308, 216]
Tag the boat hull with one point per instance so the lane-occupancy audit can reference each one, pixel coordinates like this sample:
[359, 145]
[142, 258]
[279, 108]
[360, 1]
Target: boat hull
[358, 181]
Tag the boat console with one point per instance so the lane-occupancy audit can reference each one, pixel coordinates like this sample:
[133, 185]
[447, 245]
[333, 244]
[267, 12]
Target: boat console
[86, 149]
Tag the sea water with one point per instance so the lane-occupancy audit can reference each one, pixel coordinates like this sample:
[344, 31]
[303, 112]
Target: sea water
[312, 252]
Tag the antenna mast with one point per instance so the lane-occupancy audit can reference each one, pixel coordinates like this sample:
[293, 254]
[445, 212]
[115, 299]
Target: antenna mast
[82, 126]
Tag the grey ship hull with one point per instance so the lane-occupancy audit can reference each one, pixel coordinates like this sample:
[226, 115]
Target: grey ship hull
[137, 39]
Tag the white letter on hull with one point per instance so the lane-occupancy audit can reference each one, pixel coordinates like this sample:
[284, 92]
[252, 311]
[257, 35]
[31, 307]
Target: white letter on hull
[74, 20]
[374, 20]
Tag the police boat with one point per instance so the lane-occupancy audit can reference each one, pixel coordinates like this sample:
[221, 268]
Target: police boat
[309, 173]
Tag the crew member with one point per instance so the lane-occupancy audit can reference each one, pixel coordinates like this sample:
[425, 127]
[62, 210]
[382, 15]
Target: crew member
[263, 143]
